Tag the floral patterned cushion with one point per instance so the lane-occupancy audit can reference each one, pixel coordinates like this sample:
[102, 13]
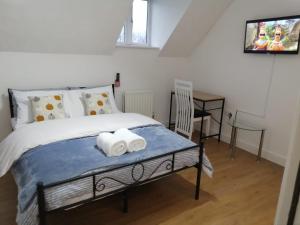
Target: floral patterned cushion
[97, 103]
[47, 107]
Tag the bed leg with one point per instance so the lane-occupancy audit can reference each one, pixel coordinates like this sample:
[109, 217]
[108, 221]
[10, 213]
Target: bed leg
[41, 203]
[199, 171]
[125, 201]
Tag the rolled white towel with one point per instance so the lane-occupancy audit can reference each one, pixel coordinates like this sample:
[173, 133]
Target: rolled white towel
[111, 144]
[133, 141]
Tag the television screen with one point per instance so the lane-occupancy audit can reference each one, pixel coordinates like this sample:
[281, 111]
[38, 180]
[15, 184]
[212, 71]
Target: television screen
[277, 35]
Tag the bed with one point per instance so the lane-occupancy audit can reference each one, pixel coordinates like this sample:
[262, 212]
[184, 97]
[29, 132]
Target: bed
[57, 165]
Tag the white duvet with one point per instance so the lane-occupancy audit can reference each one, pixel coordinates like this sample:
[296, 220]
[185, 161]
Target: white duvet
[35, 134]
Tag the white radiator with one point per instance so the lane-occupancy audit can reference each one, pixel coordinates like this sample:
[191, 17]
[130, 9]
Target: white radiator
[139, 102]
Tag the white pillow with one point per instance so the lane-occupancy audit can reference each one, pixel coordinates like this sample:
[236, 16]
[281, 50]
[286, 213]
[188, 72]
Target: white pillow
[24, 109]
[75, 102]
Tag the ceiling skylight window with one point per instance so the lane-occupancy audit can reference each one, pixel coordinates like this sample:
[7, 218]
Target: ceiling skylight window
[135, 31]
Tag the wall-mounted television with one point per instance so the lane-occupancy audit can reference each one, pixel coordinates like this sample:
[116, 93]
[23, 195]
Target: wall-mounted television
[274, 35]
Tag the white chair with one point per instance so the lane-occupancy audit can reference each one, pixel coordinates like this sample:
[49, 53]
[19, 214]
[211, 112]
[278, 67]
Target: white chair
[186, 115]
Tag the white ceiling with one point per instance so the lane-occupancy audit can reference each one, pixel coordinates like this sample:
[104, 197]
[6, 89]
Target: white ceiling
[61, 26]
[198, 19]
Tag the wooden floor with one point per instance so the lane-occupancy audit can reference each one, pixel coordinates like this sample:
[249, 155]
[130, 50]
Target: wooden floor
[242, 192]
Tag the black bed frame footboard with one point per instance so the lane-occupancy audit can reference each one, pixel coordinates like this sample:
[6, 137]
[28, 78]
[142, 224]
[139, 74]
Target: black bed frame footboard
[98, 186]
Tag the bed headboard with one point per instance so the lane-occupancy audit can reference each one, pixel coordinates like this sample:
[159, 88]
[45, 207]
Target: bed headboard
[11, 100]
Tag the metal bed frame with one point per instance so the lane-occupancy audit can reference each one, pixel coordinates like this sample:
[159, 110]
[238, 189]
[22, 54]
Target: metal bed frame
[98, 184]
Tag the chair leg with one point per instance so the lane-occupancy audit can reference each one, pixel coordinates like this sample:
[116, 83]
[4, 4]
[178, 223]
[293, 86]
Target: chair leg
[191, 133]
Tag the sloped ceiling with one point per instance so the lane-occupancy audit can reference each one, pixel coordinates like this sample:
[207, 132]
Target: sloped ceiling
[93, 26]
[198, 19]
[165, 17]
[62, 26]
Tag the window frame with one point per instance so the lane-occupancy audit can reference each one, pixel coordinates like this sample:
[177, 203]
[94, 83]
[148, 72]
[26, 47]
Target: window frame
[128, 29]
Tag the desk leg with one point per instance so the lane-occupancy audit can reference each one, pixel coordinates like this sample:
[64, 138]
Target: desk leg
[202, 123]
[221, 120]
[233, 148]
[260, 145]
[170, 115]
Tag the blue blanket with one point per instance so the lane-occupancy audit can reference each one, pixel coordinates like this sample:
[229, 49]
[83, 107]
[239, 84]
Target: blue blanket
[71, 158]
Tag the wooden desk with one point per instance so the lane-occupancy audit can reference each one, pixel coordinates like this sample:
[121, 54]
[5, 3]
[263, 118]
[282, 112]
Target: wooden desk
[204, 98]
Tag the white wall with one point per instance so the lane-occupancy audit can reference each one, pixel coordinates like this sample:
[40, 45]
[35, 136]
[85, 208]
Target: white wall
[139, 68]
[220, 66]
[165, 15]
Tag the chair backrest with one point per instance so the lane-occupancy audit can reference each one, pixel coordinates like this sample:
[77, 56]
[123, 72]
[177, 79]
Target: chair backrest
[184, 107]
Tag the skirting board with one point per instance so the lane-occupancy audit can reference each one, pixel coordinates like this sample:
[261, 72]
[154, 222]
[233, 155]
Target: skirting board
[253, 149]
